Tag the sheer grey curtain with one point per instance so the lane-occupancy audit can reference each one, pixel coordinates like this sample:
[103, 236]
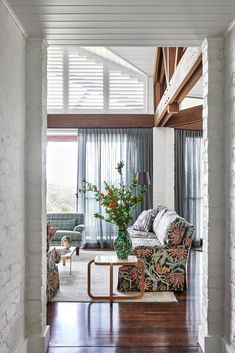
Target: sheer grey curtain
[188, 171]
[99, 151]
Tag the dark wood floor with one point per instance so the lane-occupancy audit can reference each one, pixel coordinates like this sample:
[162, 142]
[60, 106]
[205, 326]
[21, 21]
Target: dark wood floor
[129, 327]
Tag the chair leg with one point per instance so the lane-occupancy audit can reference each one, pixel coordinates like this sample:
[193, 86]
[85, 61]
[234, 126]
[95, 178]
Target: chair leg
[77, 250]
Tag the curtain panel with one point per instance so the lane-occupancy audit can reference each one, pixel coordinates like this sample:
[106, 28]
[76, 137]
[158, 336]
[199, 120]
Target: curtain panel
[99, 151]
[188, 173]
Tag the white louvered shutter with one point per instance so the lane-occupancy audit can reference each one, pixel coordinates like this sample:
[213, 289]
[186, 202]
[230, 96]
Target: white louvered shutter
[125, 91]
[55, 83]
[85, 82]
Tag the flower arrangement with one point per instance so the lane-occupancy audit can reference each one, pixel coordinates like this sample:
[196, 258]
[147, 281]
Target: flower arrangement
[117, 201]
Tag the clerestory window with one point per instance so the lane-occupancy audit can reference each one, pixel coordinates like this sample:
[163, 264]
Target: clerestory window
[81, 81]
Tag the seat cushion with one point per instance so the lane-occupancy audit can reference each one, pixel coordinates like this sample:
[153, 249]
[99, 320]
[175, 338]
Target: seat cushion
[146, 242]
[75, 236]
[139, 234]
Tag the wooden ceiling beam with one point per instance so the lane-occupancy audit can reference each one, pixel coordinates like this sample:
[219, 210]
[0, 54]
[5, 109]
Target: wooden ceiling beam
[178, 56]
[186, 68]
[191, 83]
[156, 73]
[76, 121]
[186, 118]
[172, 56]
[165, 52]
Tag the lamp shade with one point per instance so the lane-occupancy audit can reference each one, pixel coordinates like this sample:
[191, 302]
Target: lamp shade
[143, 178]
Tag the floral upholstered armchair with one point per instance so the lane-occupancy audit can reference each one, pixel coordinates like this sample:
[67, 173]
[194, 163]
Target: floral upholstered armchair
[53, 258]
[165, 264]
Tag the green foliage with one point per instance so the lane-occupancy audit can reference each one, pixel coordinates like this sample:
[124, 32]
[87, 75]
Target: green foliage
[118, 201]
[60, 199]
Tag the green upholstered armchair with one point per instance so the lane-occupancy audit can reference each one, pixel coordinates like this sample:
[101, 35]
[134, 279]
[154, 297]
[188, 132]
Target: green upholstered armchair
[70, 224]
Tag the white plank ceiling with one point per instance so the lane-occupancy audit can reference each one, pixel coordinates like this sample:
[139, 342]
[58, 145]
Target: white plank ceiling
[113, 23]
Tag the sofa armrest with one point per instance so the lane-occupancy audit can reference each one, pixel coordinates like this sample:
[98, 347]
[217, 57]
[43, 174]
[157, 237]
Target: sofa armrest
[79, 228]
[165, 269]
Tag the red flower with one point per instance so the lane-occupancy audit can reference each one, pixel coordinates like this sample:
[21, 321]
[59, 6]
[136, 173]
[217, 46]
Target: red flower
[112, 204]
[177, 279]
[178, 253]
[134, 274]
[142, 252]
[147, 285]
[102, 195]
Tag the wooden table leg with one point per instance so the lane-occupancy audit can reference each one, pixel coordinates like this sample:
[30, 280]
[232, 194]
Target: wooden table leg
[63, 260]
[89, 279]
[111, 283]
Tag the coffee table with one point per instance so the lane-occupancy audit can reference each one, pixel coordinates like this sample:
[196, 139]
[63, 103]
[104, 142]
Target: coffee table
[68, 255]
[114, 261]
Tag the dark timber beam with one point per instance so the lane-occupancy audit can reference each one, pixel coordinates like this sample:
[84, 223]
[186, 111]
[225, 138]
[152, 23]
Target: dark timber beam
[77, 121]
[190, 118]
[187, 73]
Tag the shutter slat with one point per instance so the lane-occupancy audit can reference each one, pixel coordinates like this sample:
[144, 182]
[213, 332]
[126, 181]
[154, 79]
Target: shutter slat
[55, 84]
[125, 92]
[85, 82]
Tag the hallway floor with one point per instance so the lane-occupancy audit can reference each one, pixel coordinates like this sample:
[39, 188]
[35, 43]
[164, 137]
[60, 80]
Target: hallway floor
[129, 327]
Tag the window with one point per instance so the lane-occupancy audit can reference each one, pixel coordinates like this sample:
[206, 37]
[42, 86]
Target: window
[61, 173]
[84, 80]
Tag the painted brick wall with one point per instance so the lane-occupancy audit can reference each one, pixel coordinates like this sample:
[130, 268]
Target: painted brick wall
[163, 167]
[213, 195]
[35, 200]
[230, 191]
[12, 215]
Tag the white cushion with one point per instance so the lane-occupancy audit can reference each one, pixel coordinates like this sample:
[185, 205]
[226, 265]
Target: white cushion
[144, 221]
[162, 224]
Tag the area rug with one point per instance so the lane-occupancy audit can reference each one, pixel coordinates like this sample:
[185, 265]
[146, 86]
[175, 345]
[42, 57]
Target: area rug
[73, 288]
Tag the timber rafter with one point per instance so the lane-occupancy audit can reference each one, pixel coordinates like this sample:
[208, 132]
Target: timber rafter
[177, 70]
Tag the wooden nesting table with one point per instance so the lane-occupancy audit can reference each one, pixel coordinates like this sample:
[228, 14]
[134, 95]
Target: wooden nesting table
[114, 261]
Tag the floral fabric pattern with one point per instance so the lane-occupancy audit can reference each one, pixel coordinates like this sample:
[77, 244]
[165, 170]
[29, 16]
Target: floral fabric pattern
[53, 283]
[165, 268]
[176, 232]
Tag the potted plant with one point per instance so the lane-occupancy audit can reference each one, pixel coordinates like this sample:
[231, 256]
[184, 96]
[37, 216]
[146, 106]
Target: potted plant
[118, 203]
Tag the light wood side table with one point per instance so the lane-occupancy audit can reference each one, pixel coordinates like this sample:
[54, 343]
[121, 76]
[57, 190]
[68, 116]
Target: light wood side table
[68, 255]
[114, 261]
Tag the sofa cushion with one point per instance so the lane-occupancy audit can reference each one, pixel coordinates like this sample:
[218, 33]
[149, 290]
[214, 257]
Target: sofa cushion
[145, 220]
[146, 242]
[140, 234]
[63, 224]
[169, 228]
[157, 220]
[175, 232]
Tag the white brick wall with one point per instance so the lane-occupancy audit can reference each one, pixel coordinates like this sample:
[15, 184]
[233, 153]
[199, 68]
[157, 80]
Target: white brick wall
[230, 190]
[12, 215]
[36, 122]
[213, 195]
[163, 167]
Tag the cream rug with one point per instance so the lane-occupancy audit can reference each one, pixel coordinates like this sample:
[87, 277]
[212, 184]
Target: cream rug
[73, 288]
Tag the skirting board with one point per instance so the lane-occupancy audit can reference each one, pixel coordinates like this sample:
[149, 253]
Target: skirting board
[209, 344]
[39, 344]
[225, 347]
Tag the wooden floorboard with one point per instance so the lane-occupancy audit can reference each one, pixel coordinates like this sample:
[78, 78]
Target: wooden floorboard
[129, 327]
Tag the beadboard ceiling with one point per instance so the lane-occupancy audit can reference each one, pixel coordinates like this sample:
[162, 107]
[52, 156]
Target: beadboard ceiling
[148, 23]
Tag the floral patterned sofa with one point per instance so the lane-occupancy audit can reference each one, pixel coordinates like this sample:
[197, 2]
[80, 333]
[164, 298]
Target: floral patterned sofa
[164, 253]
